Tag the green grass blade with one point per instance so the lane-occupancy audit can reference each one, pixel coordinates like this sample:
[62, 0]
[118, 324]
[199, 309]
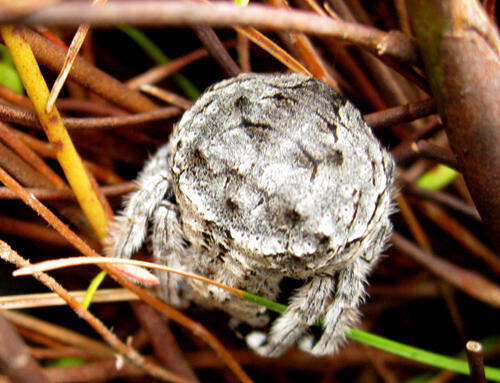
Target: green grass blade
[156, 54]
[409, 352]
[94, 285]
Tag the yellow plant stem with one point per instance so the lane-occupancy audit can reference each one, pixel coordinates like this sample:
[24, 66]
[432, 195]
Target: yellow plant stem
[55, 130]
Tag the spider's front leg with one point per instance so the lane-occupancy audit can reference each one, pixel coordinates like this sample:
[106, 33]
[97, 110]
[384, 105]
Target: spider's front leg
[343, 310]
[305, 308]
[168, 248]
[129, 230]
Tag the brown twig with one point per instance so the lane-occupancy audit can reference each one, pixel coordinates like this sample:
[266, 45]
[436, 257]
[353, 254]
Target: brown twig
[306, 51]
[461, 234]
[376, 360]
[162, 71]
[445, 199]
[467, 281]
[273, 49]
[51, 194]
[351, 357]
[15, 359]
[456, 52]
[88, 106]
[34, 231]
[411, 220]
[98, 371]
[163, 341]
[15, 98]
[177, 13]
[60, 352]
[59, 335]
[476, 361]
[36, 335]
[50, 299]
[243, 50]
[425, 149]
[16, 166]
[395, 90]
[400, 114]
[217, 50]
[408, 73]
[87, 75]
[30, 157]
[166, 96]
[28, 118]
[154, 370]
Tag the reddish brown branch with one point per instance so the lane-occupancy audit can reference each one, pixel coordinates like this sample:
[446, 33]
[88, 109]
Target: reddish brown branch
[93, 371]
[445, 199]
[400, 114]
[476, 361]
[28, 118]
[180, 13]
[87, 75]
[15, 359]
[425, 149]
[163, 341]
[51, 194]
[468, 281]
[461, 54]
[217, 50]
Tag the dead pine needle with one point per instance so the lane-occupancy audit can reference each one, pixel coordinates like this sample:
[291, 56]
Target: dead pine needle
[7, 254]
[121, 263]
[73, 50]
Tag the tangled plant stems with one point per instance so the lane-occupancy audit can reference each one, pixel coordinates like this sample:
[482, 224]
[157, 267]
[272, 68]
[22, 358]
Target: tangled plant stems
[413, 353]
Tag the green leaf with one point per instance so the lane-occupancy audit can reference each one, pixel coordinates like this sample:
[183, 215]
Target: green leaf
[437, 178]
[8, 73]
[242, 3]
[66, 362]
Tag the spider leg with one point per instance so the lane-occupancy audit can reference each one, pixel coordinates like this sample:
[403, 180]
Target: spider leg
[305, 308]
[168, 248]
[350, 292]
[129, 230]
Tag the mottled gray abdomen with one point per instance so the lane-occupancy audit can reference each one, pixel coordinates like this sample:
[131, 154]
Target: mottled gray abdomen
[277, 165]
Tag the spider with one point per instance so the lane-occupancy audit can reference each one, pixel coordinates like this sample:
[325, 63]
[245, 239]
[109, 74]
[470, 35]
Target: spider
[268, 177]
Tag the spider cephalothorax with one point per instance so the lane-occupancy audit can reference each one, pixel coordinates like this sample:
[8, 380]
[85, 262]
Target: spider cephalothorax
[266, 177]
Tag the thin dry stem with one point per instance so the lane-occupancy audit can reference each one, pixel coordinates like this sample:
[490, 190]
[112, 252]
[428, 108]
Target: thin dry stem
[59, 334]
[177, 13]
[25, 301]
[28, 118]
[67, 194]
[77, 261]
[15, 358]
[73, 50]
[31, 157]
[467, 281]
[165, 95]
[11, 256]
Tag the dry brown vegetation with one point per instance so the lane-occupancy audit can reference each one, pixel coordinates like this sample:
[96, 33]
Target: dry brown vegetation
[424, 73]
